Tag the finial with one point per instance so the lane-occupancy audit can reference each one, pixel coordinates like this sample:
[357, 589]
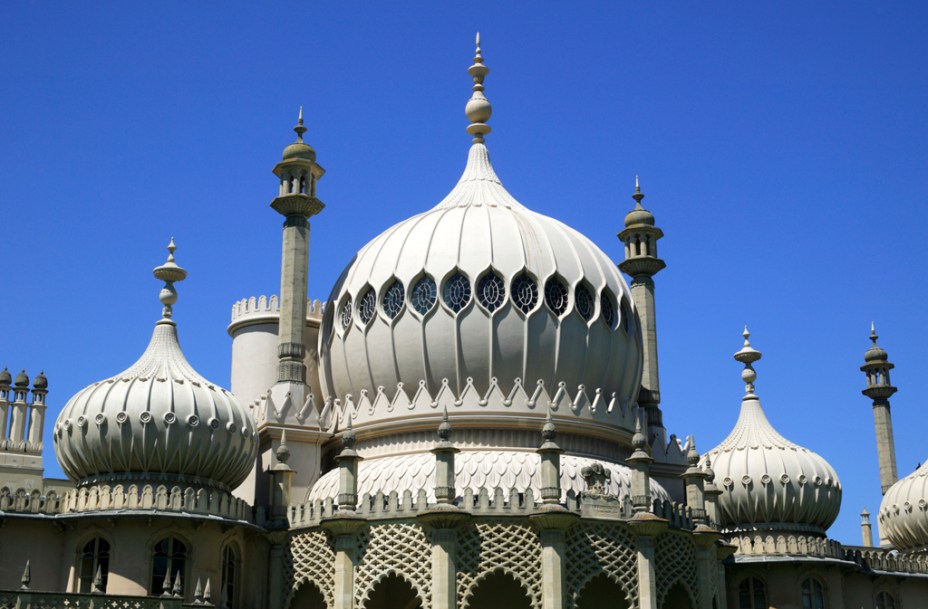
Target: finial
[207, 593]
[299, 128]
[639, 441]
[26, 578]
[444, 428]
[549, 429]
[873, 335]
[747, 356]
[349, 437]
[198, 593]
[692, 455]
[710, 473]
[178, 589]
[478, 108]
[283, 451]
[169, 272]
[638, 196]
[98, 580]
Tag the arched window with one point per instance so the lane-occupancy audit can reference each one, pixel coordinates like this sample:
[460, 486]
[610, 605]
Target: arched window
[884, 600]
[752, 594]
[95, 556]
[813, 594]
[677, 598]
[229, 577]
[499, 589]
[168, 561]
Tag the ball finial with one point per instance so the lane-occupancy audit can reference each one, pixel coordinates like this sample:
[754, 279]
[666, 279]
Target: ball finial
[478, 108]
[747, 356]
[169, 273]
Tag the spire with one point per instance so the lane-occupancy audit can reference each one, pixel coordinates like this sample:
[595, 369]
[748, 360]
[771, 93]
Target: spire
[169, 273]
[879, 389]
[478, 108]
[747, 356]
[299, 128]
[638, 196]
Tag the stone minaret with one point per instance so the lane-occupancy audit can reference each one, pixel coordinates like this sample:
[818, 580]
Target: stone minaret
[876, 367]
[289, 404]
[641, 264]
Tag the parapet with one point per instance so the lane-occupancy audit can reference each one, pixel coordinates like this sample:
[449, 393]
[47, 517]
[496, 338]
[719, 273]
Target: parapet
[265, 310]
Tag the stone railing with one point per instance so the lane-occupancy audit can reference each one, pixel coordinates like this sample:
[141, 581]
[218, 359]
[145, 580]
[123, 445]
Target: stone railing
[879, 559]
[188, 500]
[497, 502]
[785, 542]
[32, 599]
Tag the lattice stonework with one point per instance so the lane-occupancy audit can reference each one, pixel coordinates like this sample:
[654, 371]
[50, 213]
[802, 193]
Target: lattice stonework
[675, 558]
[311, 559]
[596, 548]
[396, 548]
[510, 547]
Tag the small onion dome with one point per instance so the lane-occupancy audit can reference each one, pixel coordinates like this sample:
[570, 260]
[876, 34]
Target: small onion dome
[638, 216]
[476, 470]
[40, 382]
[904, 511]
[767, 480]
[157, 420]
[22, 380]
[299, 149]
[5, 377]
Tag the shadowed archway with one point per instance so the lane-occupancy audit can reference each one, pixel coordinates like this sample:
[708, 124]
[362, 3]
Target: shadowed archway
[498, 590]
[308, 596]
[393, 592]
[677, 598]
[601, 592]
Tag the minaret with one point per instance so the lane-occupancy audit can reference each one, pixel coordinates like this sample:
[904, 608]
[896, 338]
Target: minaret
[289, 407]
[876, 367]
[641, 264]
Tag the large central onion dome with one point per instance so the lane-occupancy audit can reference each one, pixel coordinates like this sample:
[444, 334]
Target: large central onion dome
[481, 292]
[157, 421]
[766, 480]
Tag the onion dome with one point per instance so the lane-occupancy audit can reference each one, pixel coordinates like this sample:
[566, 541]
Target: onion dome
[40, 382]
[477, 469]
[875, 353]
[5, 377]
[766, 480]
[638, 216]
[480, 291]
[904, 511]
[299, 149]
[22, 380]
[159, 420]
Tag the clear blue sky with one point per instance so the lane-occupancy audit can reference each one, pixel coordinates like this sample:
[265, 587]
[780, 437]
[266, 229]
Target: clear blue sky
[782, 146]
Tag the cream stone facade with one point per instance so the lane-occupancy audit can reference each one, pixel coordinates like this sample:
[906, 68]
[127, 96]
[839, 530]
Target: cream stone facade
[471, 419]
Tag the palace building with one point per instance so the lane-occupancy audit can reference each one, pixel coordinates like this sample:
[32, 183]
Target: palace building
[471, 419]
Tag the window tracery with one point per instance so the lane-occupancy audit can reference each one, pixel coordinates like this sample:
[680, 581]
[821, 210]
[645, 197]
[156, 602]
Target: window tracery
[94, 555]
[456, 292]
[585, 304]
[607, 309]
[394, 298]
[344, 314]
[752, 594]
[524, 293]
[229, 575]
[424, 295]
[366, 306]
[168, 562]
[813, 594]
[556, 296]
[491, 291]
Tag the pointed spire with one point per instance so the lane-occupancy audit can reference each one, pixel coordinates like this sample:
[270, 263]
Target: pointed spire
[207, 594]
[166, 584]
[198, 593]
[444, 428]
[283, 451]
[169, 273]
[638, 196]
[873, 335]
[478, 108]
[27, 577]
[98, 580]
[178, 589]
[747, 356]
[300, 128]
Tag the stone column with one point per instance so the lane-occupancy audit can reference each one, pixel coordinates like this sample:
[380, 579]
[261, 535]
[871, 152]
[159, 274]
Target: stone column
[19, 408]
[647, 577]
[552, 521]
[694, 479]
[344, 529]
[281, 480]
[866, 532]
[4, 408]
[707, 572]
[444, 568]
[275, 571]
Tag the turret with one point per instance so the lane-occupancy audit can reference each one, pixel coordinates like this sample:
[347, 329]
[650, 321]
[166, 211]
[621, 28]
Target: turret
[641, 264]
[879, 389]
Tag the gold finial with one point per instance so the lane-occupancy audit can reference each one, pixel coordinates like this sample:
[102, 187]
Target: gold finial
[300, 129]
[169, 272]
[478, 108]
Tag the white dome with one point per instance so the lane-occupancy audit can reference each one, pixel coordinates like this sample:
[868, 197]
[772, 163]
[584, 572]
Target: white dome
[158, 420]
[476, 469]
[481, 292]
[767, 480]
[904, 511]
